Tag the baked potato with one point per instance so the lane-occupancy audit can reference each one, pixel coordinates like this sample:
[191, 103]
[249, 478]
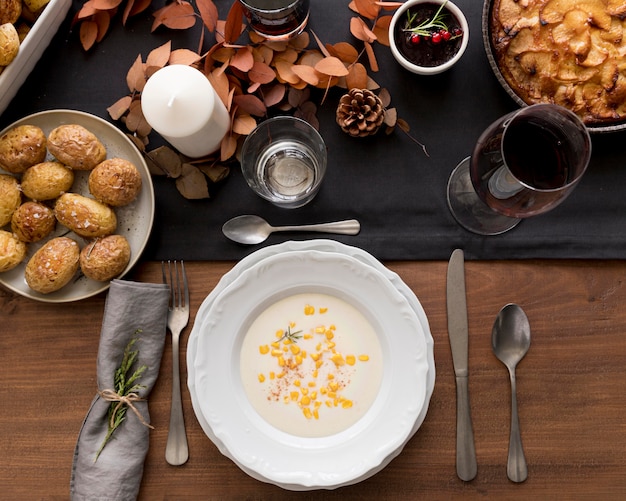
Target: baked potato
[10, 11]
[33, 221]
[76, 147]
[115, 182]
[105, 258]
[12, 251]
[85, 216]
[9, 43]
[22, 147]
[47, 180]
[53, 266]
[10, 198]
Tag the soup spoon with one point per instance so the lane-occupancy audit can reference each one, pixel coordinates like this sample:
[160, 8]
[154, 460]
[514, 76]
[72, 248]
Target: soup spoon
[510, 340]
[249, 229]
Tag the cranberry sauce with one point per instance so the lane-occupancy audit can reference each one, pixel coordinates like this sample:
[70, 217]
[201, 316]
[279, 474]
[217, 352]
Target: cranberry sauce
[433, 50]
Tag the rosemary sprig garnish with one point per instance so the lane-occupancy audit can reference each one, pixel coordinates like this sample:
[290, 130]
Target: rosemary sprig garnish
[125, 390]
[291, 336]
[426, 27]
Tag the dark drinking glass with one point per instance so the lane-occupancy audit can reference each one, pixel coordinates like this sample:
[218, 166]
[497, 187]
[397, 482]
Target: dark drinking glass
[524, 164]
[277, 19]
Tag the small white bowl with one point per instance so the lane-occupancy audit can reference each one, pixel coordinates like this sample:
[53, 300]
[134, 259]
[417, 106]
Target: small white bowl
[427, 70]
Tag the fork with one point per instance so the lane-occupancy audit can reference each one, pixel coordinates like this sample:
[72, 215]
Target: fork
[176, 450]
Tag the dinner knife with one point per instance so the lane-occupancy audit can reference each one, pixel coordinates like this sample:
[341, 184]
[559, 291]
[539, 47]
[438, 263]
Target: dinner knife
[458, 334]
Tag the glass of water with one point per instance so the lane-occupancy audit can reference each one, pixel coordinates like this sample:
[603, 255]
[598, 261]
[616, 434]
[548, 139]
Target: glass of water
[283, 160]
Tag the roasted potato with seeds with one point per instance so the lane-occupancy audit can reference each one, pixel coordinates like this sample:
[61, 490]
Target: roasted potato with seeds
[22, 147]
[115, 181]
[53, 266]
[33, 221]
[12, 251]
[10, 198]
[47, 180]
[85, 216]
[9, 43]
[76, 147]
[105, 258]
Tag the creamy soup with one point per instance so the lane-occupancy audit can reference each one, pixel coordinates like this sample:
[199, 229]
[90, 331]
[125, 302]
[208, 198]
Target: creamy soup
[311, 365]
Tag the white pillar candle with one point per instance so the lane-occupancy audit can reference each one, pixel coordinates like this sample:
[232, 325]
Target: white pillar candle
[180, 103]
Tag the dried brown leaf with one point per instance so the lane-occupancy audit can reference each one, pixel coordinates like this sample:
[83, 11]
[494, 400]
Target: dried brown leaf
[136, 78]
[234, 23]
[119, 108]
[346, 52]
[192, 184]
[261, 73]
[243, 59]
[106, 4]
[300, 42]
[391, 117]
[135, 7]
[276, 45]
[208, 13]
[177, 16]
[321, 46]
[250, 104]
[367, 8]
[87, 10]
[274, 95]
[384, 97]
[135, 121]
[403, 124]
[184, 56]
[290, 55]
[103, 20]
[88, 34]
[219, 81]
[286, 73]
[244, 125]
[360, 30]
[371, 56]
[381, 29]
[166, 160]
[263, 54]
[306, 73]
[215, 172]
[356, 77]
[228, 147]
[159, 56]
[332, 66]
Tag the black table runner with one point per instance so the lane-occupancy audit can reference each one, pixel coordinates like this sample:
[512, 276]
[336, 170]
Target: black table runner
[387, 182]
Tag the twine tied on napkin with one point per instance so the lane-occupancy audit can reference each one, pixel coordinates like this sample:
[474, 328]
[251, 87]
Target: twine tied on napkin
[116, 475]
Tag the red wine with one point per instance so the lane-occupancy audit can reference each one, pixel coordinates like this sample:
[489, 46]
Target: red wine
[536, 156]
[277, 18]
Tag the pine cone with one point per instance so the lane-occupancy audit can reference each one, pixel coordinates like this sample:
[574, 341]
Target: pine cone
[360, 113]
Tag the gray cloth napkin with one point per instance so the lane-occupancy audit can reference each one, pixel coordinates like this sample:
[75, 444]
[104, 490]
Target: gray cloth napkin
[117, 473]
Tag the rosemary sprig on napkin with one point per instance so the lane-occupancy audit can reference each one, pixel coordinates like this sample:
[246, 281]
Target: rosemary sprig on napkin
[126, 382]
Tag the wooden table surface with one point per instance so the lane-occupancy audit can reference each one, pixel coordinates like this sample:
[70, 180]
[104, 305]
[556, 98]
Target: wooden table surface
[571, 392]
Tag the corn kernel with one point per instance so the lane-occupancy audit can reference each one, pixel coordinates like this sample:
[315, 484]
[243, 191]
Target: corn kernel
[298, 359]
[292, 324]
[307, 412]
[350, 359]
[323, 390]
[272, 375]
[337, 358]
[319, 363]
[323, 310]
[280, 375]
[330, 345]
[295, 349]
[315, 373]
[261, 378]
[280, 333]
[311, 384]
[281, 361]
[316, 356]
[332, 394]
[333, 385]
[264, 349]
[286, 399]
[317, 404]
[313, 395]
[330, 376]
[316, 414]
[332, 327]
[364, 358]
[297, 382]
[304, 391]
[277, 353]
[329, 403]
[308, 336]
[309, 310]
[275, 344]
[346, 404]
[329, 334]
[320, 329]
[305, 400]
[294, 395]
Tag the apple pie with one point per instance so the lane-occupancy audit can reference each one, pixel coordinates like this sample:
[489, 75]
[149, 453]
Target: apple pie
[568, 52]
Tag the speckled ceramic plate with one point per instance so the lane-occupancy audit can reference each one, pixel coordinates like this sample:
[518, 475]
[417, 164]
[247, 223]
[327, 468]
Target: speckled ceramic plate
[134, 220]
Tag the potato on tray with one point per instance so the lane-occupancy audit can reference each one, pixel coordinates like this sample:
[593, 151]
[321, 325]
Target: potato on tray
[16, 18]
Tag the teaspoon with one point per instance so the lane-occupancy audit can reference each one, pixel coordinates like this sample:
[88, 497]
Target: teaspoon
[249, 229]
[510, 341]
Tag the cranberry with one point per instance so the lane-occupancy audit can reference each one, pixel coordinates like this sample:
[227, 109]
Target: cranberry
[436, 38]
[457, 32]
[415, 38]
[446, 35]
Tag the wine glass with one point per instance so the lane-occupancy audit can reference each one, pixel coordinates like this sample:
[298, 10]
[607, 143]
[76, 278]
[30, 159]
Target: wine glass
[524, 164]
